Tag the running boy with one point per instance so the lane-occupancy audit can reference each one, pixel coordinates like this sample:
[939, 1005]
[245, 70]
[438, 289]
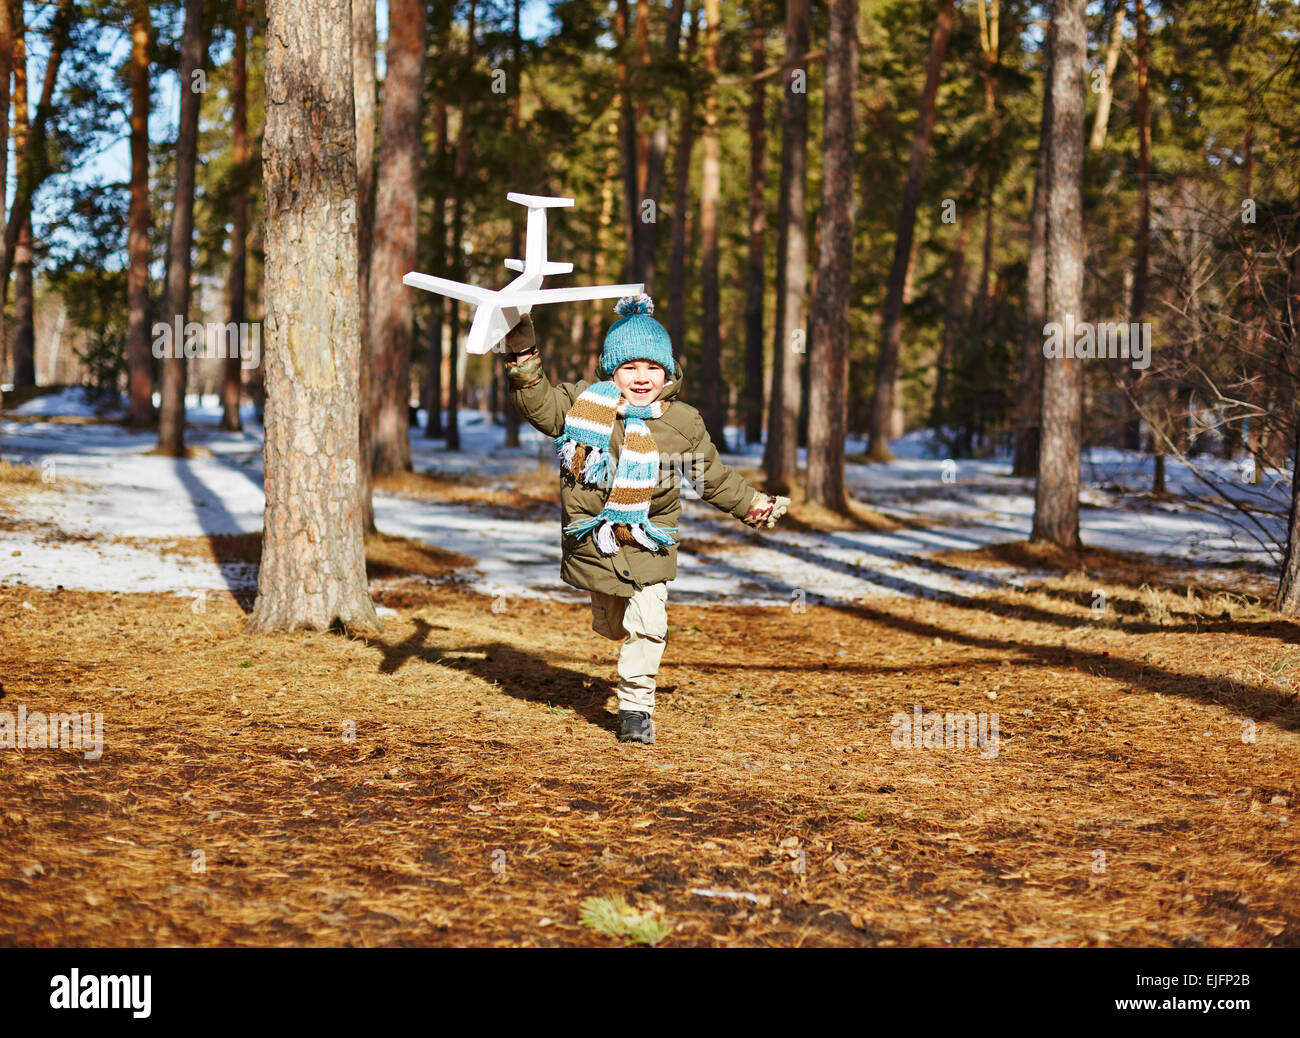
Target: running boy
[612, 437]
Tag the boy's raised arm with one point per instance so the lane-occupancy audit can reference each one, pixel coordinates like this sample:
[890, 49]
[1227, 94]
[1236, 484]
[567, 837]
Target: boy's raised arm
[542, 405]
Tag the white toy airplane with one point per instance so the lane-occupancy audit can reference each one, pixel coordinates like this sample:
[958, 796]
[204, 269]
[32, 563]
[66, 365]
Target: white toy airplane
[498, 311]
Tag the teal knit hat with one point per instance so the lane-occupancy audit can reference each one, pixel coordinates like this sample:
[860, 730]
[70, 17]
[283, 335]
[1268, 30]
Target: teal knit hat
[636, 336]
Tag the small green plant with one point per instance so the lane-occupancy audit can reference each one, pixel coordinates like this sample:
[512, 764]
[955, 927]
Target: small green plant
[614, 917]
[860, 815]
[245, 663]
[560, 711]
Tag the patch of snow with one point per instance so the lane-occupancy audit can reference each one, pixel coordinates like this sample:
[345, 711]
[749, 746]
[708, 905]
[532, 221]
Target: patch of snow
[959, 504]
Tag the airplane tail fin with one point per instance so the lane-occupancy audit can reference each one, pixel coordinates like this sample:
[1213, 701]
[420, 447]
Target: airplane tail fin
[551, 267]
[539, 201]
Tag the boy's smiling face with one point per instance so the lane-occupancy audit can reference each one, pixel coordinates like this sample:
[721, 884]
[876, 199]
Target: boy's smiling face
[640, 381]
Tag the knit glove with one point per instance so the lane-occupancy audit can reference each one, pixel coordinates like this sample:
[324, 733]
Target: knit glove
[764, 511]
[520, 339]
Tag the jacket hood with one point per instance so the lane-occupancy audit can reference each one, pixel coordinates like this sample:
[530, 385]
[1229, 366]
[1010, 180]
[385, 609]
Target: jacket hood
[671, 388]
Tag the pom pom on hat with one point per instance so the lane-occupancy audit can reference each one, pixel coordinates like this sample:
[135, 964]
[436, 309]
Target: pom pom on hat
[636, 336]
[639, 304]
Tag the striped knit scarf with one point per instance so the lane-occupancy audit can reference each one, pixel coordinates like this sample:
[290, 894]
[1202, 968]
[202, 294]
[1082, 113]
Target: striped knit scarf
[583, 448]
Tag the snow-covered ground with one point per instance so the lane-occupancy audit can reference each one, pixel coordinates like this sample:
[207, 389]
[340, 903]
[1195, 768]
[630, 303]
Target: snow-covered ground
[109, 487]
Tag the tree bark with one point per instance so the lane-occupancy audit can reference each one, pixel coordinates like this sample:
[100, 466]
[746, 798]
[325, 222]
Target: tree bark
[988, 13]
[139, 342]
[1056, 502]
[232, 386]
[954, 305]
[516, 244]
[1288, 587]
[829, 368]
[628, 140]
[1030, 404]
[313, 570]
[658, 157]
[437, 254]
[6, 68]
[754, 285]
[171, 417]
[364, 44]
[461, 171]
[1142, 243]
[397, 194]
[24, 303]
[882, 404]
[677, 263]
[30, 173]
[640, 139]
[711, 402]
[1107, 92]
[780, 458]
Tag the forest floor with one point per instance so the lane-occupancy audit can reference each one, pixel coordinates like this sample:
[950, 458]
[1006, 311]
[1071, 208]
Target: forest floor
[457, 779]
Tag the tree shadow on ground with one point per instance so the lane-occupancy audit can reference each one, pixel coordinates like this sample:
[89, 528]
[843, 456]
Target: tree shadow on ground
[1260, 702]
[523, 675]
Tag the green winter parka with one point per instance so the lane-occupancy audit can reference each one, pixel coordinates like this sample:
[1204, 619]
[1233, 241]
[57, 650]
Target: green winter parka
[685, 448]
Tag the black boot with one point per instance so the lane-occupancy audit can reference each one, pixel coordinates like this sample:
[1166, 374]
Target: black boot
[636, 726]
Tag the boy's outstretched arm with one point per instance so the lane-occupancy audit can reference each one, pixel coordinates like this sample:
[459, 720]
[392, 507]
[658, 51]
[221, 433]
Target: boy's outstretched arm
[542, 405]
[725, 489]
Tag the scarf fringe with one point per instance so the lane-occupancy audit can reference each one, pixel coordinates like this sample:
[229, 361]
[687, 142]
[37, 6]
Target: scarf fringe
[646, 533]
[598, 467]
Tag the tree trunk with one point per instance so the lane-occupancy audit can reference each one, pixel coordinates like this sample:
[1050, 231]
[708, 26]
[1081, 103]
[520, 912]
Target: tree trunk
[954, 305]
[231, 390]
[989, 49]
[711, 402]
[641, 229]
[677, 263]
[397, 194]
[6, 68]
[1056, 503]
[516, 131]
[627, 139]
[604, 231]
[24, 357]
[139, 342]
[437, 255]
[457, 252]
[171, 417]
[658, 156]
[1288, 588]
[1142, 243]
[313, 571]
[32, 170]
[780, 459]
[829, 361]
[24, 304]
[1030, 404]
[754, 285]
[882, 404]
[364, 45]
[1107, 92]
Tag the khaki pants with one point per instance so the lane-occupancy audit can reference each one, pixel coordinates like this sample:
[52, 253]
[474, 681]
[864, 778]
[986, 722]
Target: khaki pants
[641, 623]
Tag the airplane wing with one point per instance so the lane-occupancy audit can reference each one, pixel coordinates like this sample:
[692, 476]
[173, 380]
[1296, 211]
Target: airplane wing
[542, 296]
[445, 287]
